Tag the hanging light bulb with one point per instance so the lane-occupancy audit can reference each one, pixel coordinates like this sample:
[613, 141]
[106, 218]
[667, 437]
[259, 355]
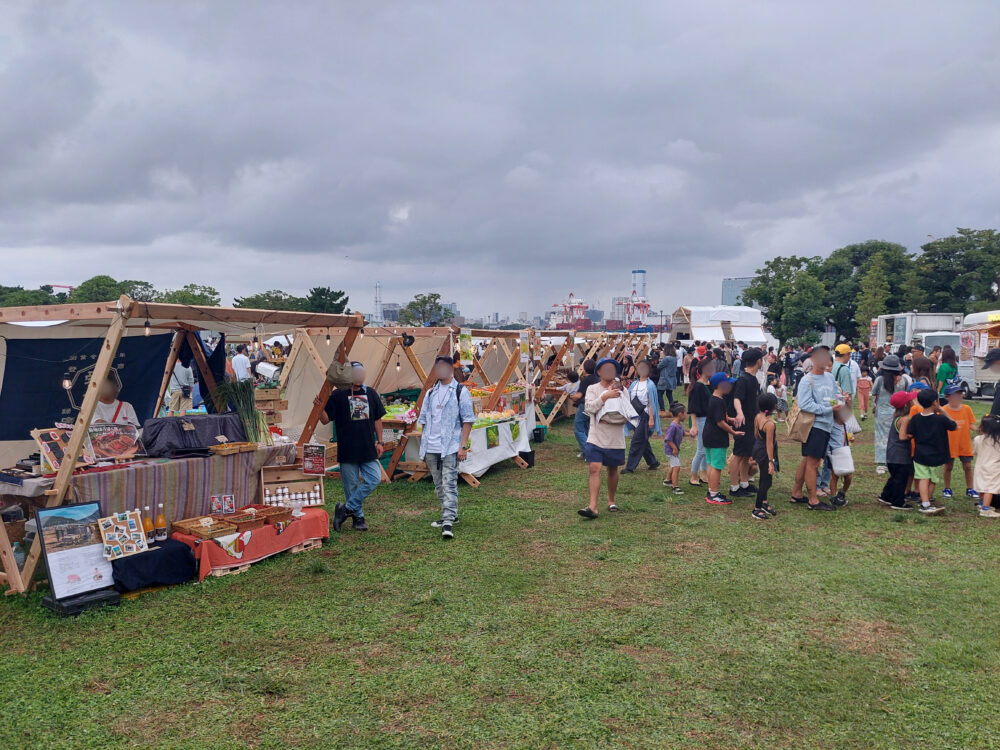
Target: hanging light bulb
[362, 334]
[256, 343]
[328, 338]
[397, 363]
[147, 328]
[67, 381]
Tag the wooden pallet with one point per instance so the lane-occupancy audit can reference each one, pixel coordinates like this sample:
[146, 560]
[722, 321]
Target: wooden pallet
[307, 545]
[230, 571]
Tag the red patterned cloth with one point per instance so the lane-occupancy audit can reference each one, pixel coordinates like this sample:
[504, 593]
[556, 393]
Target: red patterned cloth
[264, 542]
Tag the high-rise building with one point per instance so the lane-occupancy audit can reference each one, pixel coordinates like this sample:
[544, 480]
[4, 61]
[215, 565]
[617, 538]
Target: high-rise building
[390, 312]
[732, 289]
[639, 282]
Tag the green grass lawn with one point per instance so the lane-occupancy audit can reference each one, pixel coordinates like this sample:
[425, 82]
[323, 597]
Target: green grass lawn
[671, 624]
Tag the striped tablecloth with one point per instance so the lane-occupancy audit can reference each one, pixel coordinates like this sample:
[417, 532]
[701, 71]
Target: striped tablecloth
[184, 485]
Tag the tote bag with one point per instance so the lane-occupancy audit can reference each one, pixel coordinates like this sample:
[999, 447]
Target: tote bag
[841, 461]
[800, 423]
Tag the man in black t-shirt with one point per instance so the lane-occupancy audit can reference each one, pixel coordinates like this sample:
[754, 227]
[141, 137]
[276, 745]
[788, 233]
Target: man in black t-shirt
[744, 407]
[357, 416]
[581, 423]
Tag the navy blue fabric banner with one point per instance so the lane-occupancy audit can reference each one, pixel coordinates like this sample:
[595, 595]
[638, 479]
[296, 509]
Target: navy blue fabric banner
[32, 394]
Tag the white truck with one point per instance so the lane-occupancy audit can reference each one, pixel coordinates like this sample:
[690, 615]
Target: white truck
[906, 328]
[980, 333]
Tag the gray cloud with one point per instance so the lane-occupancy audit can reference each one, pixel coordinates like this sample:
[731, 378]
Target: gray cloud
[502, 154]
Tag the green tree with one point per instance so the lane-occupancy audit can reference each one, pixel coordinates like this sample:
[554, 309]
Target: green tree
[97, 289]
[958, 273]
[772, 287]
[274, 299]
[424, 309]
[139, 290]
[323, 299]
[18, 296]
[873, 298]
[192, 294]
[804, 313]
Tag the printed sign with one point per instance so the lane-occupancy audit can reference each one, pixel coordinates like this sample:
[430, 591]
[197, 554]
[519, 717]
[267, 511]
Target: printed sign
[525, 342]
[465, 346]
[113, 440]
[74, 549]
[314, 459]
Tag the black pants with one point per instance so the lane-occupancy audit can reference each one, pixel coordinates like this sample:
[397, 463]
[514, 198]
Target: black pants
[659, 396]
[666, 398]
[640, 447]
[764, 481]
[894, 491]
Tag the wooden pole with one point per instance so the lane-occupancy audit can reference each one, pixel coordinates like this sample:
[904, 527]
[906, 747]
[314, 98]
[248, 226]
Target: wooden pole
[175, 348]
[343, 350]
[501, 384]
[206, 373]
[286, 371]
[109, 349]
[384, 364]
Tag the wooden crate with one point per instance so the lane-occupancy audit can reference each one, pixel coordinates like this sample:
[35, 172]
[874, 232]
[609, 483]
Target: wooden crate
[266, 394]
[271, 404]
[290, 477]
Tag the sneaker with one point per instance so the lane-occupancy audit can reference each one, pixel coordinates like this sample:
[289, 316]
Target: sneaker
[820, 506]
[904, 506]
[769, 510]
[972, 494]
[743, 492]
[678, 491]
[985, 511]
[719, 499]
[799, 500]
[446, 532]
[914, 496]
[579, 455]
[929, 510]
[947, 493]
[839, 500]
[439, 524]
[358, 524]
[666, 483]
[627, 471]
[864, 417]
[760, 514]
[339, 515]
[654, 467]
[751, 488]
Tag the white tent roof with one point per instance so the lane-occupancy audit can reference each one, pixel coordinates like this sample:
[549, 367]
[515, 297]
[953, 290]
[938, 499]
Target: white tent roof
[735, 314]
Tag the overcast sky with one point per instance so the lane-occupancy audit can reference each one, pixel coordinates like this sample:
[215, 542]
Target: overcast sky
[503, 154]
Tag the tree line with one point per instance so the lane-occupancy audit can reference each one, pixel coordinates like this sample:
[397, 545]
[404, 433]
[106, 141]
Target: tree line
[801, 295]
[320, 299]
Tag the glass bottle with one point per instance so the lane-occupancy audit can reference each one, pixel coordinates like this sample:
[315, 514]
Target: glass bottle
[161, 524]
[147, 525]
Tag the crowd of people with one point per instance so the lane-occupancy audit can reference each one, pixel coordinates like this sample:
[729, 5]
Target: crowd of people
[737, 395]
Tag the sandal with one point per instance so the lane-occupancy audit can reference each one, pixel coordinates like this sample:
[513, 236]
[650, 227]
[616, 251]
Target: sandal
[766, 507]
[694, 484]
[587, 513]
[612, 508]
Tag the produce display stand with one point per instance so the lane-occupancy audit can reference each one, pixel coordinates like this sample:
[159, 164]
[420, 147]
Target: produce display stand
[111, 321]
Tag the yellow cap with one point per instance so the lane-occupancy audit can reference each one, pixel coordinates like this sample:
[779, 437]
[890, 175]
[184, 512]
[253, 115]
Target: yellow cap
[843, 349]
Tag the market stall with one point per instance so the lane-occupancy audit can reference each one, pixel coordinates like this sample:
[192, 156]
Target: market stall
[54, 360]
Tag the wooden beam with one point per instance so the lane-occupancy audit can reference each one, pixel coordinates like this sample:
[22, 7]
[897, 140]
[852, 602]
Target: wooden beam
[85, 311]
[175, 348]
[516, 353]
[417, 367]
[109, 349]
[286, 370]
[206, 373]
[317, 358]
[501, 384]
[216, 315]
[343, 350]
[384, 364]
[552, 368]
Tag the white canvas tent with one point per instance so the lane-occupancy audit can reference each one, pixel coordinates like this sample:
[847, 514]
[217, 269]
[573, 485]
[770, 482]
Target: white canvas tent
[720, 323]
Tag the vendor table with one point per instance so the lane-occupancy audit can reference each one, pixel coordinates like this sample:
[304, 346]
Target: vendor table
[184, 485]
[166, 563]
[490, 444]
[235, 550]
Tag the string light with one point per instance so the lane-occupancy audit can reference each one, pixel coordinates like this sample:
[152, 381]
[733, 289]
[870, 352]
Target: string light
[328, 338]
[67, 382]
[397, 363]
[147, 329]
[362, 334]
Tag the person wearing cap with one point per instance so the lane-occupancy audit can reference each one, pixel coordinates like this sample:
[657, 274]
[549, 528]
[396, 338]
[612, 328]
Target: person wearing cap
[606, 437]
[842, 369]
[890, 380]
[718, 428]
[898, 453]
[356, 414]
[992, 362]
[817, 395]
[446, 418]
[959, 440]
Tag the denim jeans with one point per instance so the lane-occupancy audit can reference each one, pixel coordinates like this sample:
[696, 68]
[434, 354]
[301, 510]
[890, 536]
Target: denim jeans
[581, 428]
[824, 474]
[700, 463]
[639, 448]
[357, 489]
[444, 472]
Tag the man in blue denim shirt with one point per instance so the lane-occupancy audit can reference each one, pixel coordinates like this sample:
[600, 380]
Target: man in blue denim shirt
[446, 418]
[817, 395]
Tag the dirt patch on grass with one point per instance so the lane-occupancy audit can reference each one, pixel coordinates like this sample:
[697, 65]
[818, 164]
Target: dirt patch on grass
[645, 654]
[693, 548]
[99, 687]
[409, 512]
[871, 637]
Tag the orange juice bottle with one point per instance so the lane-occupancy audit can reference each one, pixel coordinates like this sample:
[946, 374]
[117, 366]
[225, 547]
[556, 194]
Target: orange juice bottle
[147, 525]
[161, 524]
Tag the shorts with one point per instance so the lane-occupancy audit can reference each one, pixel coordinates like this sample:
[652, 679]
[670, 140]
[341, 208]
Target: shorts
[815, 446]
[963, 459]
[743, 446]
[921, 471]
[605, 456]
[674, 462]
[716, 457]
[179, 403]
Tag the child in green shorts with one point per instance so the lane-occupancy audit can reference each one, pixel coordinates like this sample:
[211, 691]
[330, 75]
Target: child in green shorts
[716, 436]
[929, 431]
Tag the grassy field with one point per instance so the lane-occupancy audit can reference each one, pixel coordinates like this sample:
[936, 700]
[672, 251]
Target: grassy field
[671, 624]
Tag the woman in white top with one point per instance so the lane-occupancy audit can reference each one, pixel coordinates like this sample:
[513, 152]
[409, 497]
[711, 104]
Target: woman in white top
[109, 409]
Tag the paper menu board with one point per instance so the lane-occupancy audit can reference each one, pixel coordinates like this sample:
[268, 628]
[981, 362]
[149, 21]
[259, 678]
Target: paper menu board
[314, 459]
[53, 444]
[525, 343]
[73, 548]
[465, 346]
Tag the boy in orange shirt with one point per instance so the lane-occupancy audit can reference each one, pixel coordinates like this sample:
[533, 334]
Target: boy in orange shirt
[959, 440]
